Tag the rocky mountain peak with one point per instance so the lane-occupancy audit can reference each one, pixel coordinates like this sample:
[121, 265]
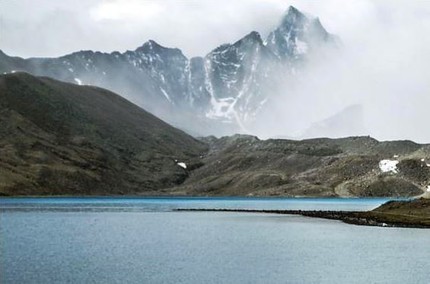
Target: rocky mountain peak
[152, 47]
[293, 17]
[296, 35]
[253, 37]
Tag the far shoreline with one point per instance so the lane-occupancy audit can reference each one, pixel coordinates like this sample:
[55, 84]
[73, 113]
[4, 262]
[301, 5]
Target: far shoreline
[208, 196]
[360, 218]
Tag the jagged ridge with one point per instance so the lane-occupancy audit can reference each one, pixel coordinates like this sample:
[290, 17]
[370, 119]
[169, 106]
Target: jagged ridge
[223, 91]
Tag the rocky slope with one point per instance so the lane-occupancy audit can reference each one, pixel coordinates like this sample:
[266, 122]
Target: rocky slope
[224, 91]
[63, 139]
[355, 166]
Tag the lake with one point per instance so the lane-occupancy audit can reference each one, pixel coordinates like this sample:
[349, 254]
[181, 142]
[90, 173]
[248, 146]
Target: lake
[142, 240]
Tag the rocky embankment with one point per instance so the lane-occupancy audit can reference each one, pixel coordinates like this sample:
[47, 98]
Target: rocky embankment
[407, 214]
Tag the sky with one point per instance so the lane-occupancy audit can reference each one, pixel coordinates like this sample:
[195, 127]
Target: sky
[383, 65]
[52, 28]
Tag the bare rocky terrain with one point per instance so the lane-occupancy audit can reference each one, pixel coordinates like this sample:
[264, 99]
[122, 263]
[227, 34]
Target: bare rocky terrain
[347, 167]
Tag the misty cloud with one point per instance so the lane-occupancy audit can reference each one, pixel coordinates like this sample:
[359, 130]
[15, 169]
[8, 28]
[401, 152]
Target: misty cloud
[381, 66]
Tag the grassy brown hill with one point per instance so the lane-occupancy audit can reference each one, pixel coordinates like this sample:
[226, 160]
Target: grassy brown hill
[413, 213]
[60, 138]
[415, 207]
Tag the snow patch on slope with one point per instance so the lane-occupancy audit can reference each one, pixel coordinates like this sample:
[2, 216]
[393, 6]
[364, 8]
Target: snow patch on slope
[166, 95]
[182, 165]
[387, 166]
[78, 81]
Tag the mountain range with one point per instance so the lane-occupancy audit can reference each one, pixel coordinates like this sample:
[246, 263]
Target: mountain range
[221, 93]
[92, 123]
[59, 138]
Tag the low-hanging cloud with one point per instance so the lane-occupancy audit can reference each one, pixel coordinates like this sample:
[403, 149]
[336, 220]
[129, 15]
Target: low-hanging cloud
[52, 28]
[381, 66]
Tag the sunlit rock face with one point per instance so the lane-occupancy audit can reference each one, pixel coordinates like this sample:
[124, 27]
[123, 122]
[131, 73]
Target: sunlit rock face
[220, 93]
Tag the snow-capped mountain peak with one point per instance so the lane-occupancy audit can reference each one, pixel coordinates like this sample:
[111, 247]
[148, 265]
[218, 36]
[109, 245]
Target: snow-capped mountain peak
[226, 89]
[296, 35]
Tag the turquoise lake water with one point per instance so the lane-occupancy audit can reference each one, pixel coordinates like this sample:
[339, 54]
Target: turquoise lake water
[141, 240]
